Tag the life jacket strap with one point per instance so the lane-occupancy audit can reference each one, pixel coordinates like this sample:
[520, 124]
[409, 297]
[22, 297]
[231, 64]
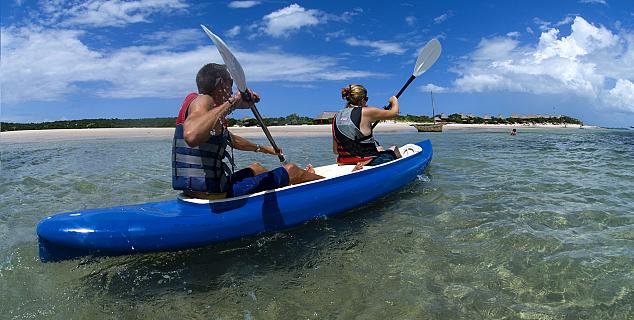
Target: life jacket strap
[208, 147]
[195, 172]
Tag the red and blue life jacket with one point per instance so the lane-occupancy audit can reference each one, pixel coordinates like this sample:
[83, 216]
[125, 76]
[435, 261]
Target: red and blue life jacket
[201, 168]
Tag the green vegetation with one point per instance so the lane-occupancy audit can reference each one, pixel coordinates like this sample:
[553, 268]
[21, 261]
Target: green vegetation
[91, 123]
[292, 119]
[458, 118]
[412, 118]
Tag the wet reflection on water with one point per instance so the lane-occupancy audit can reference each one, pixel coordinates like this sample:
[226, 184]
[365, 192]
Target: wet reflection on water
[536, 226]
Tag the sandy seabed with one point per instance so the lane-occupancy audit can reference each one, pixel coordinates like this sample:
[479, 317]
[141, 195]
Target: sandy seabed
[249, 132]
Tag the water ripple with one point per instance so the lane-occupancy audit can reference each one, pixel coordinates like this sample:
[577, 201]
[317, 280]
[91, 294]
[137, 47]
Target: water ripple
[536, 226]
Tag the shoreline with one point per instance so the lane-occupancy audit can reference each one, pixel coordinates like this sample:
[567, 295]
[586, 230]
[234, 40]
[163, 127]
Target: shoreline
[516, 126]
[247, 132]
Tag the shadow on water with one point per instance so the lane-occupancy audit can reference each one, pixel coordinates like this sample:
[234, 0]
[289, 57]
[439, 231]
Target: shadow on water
[206, 269]
[145, 276]
[271, 214]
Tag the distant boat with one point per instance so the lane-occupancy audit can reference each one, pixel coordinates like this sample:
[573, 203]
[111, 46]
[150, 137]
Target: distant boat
[429, 127]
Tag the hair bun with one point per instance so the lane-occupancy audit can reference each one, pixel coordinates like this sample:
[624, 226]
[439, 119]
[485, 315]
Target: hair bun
[345, 92]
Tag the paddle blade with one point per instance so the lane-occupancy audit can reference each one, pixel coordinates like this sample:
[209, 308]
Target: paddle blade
[234, 67]
[427, 57]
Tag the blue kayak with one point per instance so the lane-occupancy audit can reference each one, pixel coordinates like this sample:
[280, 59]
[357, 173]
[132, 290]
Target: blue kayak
[187, 223]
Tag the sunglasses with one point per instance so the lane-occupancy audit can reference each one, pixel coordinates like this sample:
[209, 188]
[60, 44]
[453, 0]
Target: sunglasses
[225, 81]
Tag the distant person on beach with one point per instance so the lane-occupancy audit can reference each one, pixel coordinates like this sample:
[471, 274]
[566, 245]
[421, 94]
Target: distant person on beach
[353, 142]
[514, 132]
[202, 167]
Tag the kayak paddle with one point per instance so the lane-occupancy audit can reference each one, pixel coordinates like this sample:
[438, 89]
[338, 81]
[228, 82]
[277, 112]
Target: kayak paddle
[235, 69]
[426, 58]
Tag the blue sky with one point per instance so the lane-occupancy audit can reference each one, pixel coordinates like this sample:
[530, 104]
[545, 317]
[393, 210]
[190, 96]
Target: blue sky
[133, 59]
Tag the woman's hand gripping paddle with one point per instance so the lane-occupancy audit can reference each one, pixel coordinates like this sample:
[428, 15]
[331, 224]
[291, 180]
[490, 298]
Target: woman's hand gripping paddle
[235, 69]
[426, 58]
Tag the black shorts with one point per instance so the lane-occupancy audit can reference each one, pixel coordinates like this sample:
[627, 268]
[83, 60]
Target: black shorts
[383, 157]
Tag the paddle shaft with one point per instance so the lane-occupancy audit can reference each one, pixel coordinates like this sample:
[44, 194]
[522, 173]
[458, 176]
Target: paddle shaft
[267, 133]
[389, 106]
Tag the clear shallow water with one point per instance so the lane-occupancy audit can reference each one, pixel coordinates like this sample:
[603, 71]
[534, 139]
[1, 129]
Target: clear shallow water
[537, 226]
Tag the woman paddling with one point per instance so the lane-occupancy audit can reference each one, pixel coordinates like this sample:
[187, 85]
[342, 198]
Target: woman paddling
[352, 130]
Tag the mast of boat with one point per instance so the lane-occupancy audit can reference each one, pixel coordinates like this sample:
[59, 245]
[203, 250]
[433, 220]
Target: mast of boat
[433, 106]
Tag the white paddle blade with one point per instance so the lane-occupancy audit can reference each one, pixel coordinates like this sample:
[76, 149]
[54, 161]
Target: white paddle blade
[427, 57]
[234, 67]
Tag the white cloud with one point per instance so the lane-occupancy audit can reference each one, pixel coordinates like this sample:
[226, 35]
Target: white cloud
[594, 1]
[432, 87]
[381, 47]
[55, 63]
[242, 4]
[336, 34]
[544, 25]
[441, 18]
[566, 20]
[578, 64]
[495, 48]
[348, 15]
[530, 30]
[174, 38]
[105, 13]
[410, 20]
[513, 34]
[286, 21]
[622, 95]
[276, 66]
[541, 24]
[233, 31]
[281, 22]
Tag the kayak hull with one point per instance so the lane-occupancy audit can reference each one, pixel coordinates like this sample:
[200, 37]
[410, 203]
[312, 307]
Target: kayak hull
[177, 224]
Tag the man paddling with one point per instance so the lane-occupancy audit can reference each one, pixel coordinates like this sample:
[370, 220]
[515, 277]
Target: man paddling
[200, 161]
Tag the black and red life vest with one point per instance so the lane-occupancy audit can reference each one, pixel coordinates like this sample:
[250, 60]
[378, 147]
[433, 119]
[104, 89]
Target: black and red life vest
[352, 145]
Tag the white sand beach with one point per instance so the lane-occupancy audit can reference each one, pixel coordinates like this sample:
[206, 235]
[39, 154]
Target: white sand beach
[249, 132]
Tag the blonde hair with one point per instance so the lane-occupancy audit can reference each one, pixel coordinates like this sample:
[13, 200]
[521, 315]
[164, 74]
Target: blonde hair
[354, 94]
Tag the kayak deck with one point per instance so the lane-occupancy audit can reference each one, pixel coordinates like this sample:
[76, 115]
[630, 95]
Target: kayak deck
[185, 222]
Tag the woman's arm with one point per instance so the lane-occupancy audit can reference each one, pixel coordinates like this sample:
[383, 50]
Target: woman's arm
[374, 114]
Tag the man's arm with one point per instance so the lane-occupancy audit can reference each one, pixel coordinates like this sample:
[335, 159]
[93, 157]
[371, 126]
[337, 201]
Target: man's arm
[243, 144]
[201, 120]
